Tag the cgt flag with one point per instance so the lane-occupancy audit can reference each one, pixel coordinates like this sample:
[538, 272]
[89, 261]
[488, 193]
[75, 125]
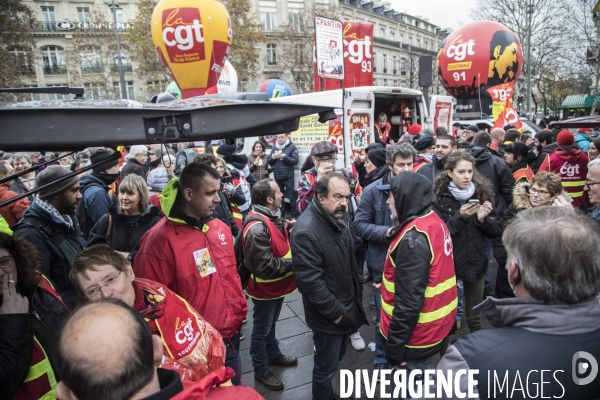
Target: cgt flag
[502, 109]
[358, 58]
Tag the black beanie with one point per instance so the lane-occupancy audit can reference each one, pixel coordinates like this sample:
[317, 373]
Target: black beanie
[377, 157]
[100, 155]
[226, 150]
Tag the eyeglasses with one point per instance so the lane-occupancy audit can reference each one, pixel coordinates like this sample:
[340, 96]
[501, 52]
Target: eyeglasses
[6, 261]
[94, 292]
[326, 159]
[539, 191]
[588, 184]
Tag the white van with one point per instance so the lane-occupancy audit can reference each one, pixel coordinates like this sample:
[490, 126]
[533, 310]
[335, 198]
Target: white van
[357, 111]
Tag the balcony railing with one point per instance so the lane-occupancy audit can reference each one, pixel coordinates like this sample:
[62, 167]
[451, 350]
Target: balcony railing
[26, 69]
[386, 42]
[92, 69]
[126, 68]
[55, 70]
[45, 26]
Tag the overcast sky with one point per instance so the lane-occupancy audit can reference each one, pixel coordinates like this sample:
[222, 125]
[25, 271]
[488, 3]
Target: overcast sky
[443, 13]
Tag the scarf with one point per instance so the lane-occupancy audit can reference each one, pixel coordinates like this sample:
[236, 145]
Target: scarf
[49, 208]
[427, 156]
[462, 194]
[282, 146]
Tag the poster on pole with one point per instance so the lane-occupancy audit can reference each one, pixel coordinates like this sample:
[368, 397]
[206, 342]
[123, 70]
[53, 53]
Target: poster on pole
[329, 46]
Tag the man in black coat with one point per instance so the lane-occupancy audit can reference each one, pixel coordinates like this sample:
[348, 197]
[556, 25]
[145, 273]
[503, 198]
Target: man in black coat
[283, 158]
[545, 145]
[494, 169]
[326, 275]
[50, 224]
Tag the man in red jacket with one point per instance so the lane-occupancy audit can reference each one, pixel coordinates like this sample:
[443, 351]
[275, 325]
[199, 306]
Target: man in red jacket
[192, 254]
[13, 211]
[570, 163]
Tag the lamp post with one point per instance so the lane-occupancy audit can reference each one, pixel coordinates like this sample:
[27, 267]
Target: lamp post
[529, 18]
[113, 6]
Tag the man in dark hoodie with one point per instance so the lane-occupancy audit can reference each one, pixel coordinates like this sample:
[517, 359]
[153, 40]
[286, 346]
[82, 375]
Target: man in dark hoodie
[571, 164]
[494, 169]
[94, 189]
[418, 294]
[444, 146]
[238, 166]
[545, 145]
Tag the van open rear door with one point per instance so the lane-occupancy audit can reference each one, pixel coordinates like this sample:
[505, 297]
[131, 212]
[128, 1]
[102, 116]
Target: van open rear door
[359, 107]
[440, 112]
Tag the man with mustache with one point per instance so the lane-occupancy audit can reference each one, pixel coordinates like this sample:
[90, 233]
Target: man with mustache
[326, 275]
[503, 58]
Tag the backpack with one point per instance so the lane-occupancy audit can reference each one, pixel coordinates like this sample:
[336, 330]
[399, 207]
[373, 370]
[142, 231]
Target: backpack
[85, 223]
[238, 247]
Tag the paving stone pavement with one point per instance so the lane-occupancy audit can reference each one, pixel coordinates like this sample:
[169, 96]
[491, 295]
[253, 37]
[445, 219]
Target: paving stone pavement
[295, 339]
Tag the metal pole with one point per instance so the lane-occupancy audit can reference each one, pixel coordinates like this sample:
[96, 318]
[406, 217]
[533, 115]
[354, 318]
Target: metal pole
[113, 6]
[530, 14]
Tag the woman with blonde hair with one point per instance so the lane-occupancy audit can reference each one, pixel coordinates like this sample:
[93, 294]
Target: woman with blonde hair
[125, 224]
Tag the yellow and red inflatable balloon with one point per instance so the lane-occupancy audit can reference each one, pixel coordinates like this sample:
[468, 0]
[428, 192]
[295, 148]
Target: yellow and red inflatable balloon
[193, 39]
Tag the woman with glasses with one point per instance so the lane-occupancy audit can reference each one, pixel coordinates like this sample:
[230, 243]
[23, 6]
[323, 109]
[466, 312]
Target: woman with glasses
[125, 224]
[543, 190]
[31, 313]
[192, 346]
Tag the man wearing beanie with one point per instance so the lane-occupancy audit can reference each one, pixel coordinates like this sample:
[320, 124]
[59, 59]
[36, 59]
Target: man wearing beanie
[516, 155]
[426, 149]
[50, 224]
[571, 164]
[94, 189]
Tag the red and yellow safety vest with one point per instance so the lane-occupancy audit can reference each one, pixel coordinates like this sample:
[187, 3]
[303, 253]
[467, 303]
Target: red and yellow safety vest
[384, 136]
[40, 382]
[525, 174]
[439, 306]
[236, 212]
[572, 175]
[266, 289]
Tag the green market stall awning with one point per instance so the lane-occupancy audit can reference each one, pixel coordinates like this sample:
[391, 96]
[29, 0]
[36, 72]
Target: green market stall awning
[589, 101]
[575, 101]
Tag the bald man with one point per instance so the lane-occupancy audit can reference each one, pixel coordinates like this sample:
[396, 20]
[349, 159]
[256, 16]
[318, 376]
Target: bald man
[498, 135]
[95, 365]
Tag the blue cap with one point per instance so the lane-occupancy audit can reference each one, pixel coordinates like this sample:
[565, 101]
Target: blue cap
[473, 128]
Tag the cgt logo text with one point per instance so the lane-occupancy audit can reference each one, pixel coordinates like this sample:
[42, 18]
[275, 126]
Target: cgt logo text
[464, 384]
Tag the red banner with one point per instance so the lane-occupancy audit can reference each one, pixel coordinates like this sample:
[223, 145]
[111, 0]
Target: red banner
[358, 58]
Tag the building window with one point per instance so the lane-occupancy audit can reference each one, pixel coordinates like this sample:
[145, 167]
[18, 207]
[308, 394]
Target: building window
[268, 21]
[393, 36]
[382, 32]
[128, 88]
[119, 13]
[403, 66]
[374, 81]
[385, 82]
[300, 52]
[53, 58]
[394, 65]
[401, 38]
[22, 61]
[271, 54]
[48, 19]
[295, 22]
[91, 61]
[57, 96]
[384, 63]
[125, 59]
[374, 62]
[83, 14]
[243, 86]
[395, 83]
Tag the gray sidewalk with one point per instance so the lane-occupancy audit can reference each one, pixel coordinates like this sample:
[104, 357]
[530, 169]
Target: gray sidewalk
[295, 339]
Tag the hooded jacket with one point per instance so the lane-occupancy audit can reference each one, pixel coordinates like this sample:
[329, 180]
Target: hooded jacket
[470, 258]
[413, 272]
[196, 260]
[14, 210]
[326, 274]
[157, 179]
[548, 149]
[570, 163]
[498, 173]
[583, 141]
[95, 197]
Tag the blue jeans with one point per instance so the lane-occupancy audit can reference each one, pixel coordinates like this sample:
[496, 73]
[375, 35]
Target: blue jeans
[330, 350]
[410, 366]
[234, 357]
[461, 299]
[264, 346]
[287, 188]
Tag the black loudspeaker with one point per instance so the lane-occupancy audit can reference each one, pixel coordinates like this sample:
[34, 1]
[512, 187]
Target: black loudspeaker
[425, 71]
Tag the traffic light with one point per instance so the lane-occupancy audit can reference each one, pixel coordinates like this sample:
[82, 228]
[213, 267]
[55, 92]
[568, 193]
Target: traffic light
[520, 101]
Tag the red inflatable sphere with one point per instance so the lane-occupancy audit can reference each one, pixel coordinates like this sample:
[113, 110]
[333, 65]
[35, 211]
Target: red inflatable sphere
[478, 55]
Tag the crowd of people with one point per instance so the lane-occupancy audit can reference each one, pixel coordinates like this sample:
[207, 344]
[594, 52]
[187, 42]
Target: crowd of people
[164, 245]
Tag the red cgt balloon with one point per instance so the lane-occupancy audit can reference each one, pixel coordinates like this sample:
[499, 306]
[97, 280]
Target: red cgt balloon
[478, 55]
